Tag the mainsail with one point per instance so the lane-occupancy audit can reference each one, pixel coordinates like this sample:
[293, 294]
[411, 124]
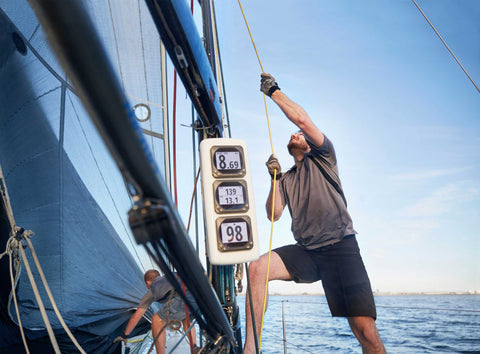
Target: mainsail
[61, 181]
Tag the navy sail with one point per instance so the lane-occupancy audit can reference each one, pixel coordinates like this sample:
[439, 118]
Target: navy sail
[64, 186]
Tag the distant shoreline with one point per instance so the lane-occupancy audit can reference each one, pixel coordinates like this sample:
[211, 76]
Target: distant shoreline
[473, 292]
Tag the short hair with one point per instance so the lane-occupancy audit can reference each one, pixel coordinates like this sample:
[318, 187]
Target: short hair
[151, 274]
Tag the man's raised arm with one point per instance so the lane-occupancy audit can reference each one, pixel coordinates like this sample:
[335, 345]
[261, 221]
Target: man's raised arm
[294, 112]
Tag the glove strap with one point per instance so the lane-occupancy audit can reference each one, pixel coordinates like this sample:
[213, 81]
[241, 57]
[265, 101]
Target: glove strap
[279, 175]
[272, 90]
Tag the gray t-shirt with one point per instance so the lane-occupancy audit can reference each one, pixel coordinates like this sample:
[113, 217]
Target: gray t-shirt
[159, 291]
[319, 214]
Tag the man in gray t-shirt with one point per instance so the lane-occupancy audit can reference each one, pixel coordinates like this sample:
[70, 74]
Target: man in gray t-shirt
[172, 310]
[326, 247]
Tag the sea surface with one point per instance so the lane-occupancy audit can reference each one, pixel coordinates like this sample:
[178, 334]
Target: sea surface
[406, 323]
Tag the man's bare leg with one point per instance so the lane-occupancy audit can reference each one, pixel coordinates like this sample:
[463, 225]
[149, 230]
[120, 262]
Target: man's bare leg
[258, 276]
[366, 332]
[157, 326]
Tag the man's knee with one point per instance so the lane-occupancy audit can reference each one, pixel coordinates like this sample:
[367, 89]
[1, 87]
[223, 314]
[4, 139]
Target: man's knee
[363, 325]
[157, 322]
[366, 332]
[256, 269]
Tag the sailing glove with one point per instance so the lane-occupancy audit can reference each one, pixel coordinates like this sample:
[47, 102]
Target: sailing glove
[272, 165]
[268, 84]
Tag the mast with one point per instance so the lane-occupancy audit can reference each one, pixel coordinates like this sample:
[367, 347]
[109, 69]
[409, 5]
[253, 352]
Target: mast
[166, 139]
[185, 48]
[223, 277]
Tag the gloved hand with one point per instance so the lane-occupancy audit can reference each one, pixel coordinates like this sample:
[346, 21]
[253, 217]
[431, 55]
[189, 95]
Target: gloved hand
[120, 338]
[272, 165]
[268, 84]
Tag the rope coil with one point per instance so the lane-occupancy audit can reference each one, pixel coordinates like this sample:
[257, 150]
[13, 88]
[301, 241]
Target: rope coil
[13, 249]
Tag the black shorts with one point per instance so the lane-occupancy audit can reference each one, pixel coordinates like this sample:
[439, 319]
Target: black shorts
[341, 270]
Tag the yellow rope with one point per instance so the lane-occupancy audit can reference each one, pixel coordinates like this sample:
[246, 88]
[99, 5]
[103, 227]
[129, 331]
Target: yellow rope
[250, 33]
[269, 130]
[274, 183]
[268, 263]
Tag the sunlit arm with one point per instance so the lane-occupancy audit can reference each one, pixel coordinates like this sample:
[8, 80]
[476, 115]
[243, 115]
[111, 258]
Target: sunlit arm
[299, 117]
[134, 320]
[278, 203]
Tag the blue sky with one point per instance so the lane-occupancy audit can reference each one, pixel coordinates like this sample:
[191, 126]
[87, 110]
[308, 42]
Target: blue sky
[404, 119]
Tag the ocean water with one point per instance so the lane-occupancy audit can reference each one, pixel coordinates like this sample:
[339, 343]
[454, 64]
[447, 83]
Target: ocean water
[406, 323]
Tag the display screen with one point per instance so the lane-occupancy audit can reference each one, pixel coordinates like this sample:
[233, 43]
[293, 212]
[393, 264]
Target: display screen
[230, 195]
[234, 232]
[228, 160]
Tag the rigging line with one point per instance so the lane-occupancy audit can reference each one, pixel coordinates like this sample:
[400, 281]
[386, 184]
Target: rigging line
[174, 140]
[6, 200]
[193, 199]
[184, 335]
[61, 182]
[446, 46]
[290, 343]
[251, 37]
[194, 167]
[269, 257]
[217, 66]
[274, 182]
[252, 314]
[9, 250]
[145, 73]
[50, 296]
[146, 89]
[116, 44]
[221, 75]
[105, 183]
[36, 54]
[261, 66]
[48, 326]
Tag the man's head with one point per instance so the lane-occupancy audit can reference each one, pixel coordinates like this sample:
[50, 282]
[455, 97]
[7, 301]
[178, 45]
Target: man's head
[297, 146]
[149, 276]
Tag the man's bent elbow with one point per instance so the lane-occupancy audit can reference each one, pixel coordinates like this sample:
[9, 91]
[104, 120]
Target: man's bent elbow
[276, 215]
[302, 121]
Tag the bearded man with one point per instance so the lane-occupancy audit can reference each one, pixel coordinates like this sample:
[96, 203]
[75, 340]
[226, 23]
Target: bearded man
[326, 248]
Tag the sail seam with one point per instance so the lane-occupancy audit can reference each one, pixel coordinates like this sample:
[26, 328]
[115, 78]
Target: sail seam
[105, 183]
[38, 56]
[26, 103]
[61, 185]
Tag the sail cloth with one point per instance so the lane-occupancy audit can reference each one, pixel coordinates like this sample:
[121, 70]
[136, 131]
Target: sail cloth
[61, 181]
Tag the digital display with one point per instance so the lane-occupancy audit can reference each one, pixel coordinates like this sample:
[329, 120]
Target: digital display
[230, 195]
[228, 160]
[234, 232]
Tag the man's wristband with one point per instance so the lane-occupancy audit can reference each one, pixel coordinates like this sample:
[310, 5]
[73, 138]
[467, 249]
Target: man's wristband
[272, 90]
[279, 175]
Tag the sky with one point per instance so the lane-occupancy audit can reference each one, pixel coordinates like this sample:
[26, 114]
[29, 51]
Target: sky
[402, 115]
